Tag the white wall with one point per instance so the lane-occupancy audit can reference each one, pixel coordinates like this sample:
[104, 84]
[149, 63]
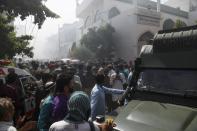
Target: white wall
[128, 33]
[183, 4]
[193, 18]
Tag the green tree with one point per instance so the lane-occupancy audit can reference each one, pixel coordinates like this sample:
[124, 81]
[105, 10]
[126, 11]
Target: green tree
[25, 8]
[180, 24]
[100, 41]
[81, 53]
[10, 44]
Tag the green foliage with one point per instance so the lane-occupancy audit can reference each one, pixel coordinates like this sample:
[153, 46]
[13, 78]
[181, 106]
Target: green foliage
[99, 41]
[81, 53]
[10, 45]
[25, 8]
[180, 24]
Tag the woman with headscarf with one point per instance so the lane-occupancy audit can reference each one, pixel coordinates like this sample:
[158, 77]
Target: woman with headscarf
[78, 114]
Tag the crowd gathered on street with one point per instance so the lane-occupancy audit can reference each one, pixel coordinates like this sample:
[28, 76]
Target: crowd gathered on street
[70, 98]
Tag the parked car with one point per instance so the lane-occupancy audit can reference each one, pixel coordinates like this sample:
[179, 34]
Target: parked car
[28, 84]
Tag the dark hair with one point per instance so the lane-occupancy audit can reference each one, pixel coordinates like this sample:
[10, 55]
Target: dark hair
[62, 81]
[46, 77]
[11, 78]
[1, 82]
[100, 79]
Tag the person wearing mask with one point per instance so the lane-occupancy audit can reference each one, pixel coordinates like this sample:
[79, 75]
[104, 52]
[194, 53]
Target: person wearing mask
[98, 96]
[64, 87]
[78, 115]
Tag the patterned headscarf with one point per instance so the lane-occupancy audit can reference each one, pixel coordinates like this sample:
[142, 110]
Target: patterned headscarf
[79, 107]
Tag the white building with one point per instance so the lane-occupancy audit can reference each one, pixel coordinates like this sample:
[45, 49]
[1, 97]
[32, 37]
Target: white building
[135, 21]
[67, 36]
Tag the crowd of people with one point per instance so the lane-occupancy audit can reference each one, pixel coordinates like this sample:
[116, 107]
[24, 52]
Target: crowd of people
[71, 98]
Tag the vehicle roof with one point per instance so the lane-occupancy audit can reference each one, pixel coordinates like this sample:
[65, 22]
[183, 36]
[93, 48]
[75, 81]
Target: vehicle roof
[147, 116]
[18, 71]
[171, 60]
[175, 49]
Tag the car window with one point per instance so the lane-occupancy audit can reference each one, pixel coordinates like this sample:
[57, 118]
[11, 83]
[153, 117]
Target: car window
[168, 80]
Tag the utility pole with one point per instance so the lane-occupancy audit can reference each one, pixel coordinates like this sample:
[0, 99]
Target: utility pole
[158, 5]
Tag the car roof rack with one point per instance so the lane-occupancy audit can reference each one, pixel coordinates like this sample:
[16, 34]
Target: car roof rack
[182, 39]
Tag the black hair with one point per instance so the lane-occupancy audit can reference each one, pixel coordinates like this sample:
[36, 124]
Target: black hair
[100, 79]
[11, 78]
[46, 77]
[62, 81]
[1, 82]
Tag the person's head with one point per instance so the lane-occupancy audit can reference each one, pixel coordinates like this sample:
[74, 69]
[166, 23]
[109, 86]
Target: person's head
[100, 79]
[11, 71]
[110, 67]
[46, 77]
[89, 68]
[71, 71]
[11, 78]
[79, 106]
[101, 71]
[64, 84]
[6, 109]
[120, 67]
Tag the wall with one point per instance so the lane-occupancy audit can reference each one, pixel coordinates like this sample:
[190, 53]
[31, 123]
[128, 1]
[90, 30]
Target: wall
[128, 33]
[193, 18]
[183, 4]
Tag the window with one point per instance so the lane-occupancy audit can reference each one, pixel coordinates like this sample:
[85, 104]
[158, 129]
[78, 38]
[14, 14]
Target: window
[113, 12]
[144, 40]
[168, 24]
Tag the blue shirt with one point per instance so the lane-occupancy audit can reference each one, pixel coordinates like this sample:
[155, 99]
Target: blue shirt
[98, 99]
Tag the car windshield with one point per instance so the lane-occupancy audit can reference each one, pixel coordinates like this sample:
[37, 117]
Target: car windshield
[169, 81]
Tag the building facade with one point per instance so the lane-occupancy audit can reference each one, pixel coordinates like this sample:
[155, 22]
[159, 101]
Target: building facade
[135, 21]
[67, 36]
